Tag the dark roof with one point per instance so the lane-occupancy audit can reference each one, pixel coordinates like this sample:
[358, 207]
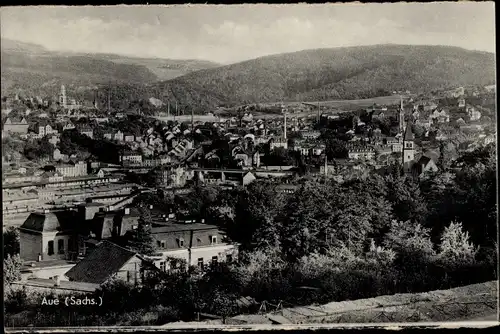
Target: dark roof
[15, 120]
[174, 227]
[408, 133]
[104, 261]
[49, 222]
[424, 160]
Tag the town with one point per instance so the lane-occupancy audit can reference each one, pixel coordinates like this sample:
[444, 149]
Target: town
[83, 186]
[236, 166]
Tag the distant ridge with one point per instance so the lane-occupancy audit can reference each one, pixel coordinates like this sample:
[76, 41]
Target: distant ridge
[17, 46]
[33, 68]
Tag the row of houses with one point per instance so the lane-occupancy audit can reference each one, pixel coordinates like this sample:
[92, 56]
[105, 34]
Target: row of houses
[61, 246]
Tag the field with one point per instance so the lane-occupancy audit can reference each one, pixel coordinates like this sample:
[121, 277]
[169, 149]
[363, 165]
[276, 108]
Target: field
[341, 105]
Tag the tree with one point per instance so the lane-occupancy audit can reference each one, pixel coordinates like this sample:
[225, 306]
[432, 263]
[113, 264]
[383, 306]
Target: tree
[143, 241]
[11, 242]
[405, 198]
[455, 249]
[38, 149]
[223, 303]
[335, 147]
[12, 268]
[418, 130]
[409, 239]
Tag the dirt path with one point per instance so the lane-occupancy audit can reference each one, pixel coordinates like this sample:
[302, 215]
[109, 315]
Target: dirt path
[477, 302]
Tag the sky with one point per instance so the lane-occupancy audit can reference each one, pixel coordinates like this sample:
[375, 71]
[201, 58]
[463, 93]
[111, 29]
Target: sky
[228, 34]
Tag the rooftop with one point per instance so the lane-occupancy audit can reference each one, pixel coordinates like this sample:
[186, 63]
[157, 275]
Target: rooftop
[33, 265]
[105, 260]
[48, 222]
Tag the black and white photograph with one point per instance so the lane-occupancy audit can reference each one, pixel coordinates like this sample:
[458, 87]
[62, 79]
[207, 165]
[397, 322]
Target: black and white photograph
[268, 166]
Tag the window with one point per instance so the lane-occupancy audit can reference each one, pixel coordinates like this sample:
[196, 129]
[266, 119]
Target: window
[163, 266]
[213, 239]
[214, 259]
[200, 263]
[163, 244]
[158, 243]
[229, 258]
[51, 248]
[60, 246]
[181, 242]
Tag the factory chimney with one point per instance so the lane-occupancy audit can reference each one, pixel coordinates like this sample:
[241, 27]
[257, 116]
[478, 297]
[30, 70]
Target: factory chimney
[284, 127]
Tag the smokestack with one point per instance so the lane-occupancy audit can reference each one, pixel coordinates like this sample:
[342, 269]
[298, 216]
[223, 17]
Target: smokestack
[284, 126]
[192, 120]
[176, 109]
[168, 109]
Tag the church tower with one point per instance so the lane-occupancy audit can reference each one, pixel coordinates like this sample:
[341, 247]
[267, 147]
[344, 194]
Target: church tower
[408, 149]
[62, 98]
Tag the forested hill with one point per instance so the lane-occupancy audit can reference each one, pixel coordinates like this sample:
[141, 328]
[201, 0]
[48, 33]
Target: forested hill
[36, 70]
[338, 73]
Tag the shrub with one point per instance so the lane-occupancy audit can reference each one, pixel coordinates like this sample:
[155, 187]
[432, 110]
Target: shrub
[455, 249]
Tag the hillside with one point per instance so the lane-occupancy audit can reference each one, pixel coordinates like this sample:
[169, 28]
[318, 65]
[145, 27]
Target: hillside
[338, 73]
[32, 68]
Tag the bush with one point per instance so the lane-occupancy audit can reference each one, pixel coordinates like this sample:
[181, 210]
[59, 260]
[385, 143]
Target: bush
[12, 268]
[455, 249]
[16, 300]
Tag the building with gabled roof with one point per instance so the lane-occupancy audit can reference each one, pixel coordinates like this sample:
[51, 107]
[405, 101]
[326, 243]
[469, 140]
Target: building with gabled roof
[424, 165]
[15, 125]
[108, 261]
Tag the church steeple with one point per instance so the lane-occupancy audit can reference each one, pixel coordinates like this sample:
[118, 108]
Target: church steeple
[402, 124]
[408, 148]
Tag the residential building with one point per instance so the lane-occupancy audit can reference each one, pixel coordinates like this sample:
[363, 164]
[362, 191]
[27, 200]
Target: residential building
[129, 137]
[175, 176]
[430, 106]
[118, 136]
[278, 142]
[15, 125]
[72, 169]
[426, 123]
[43, 128]
[131, 158]
[197, 244]
[440, 116]
[461, 103]
[473, 113]
[48, 236]
[87, 131]
[361, 152]
[310, 134]
[424, 165]
[109, 261]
